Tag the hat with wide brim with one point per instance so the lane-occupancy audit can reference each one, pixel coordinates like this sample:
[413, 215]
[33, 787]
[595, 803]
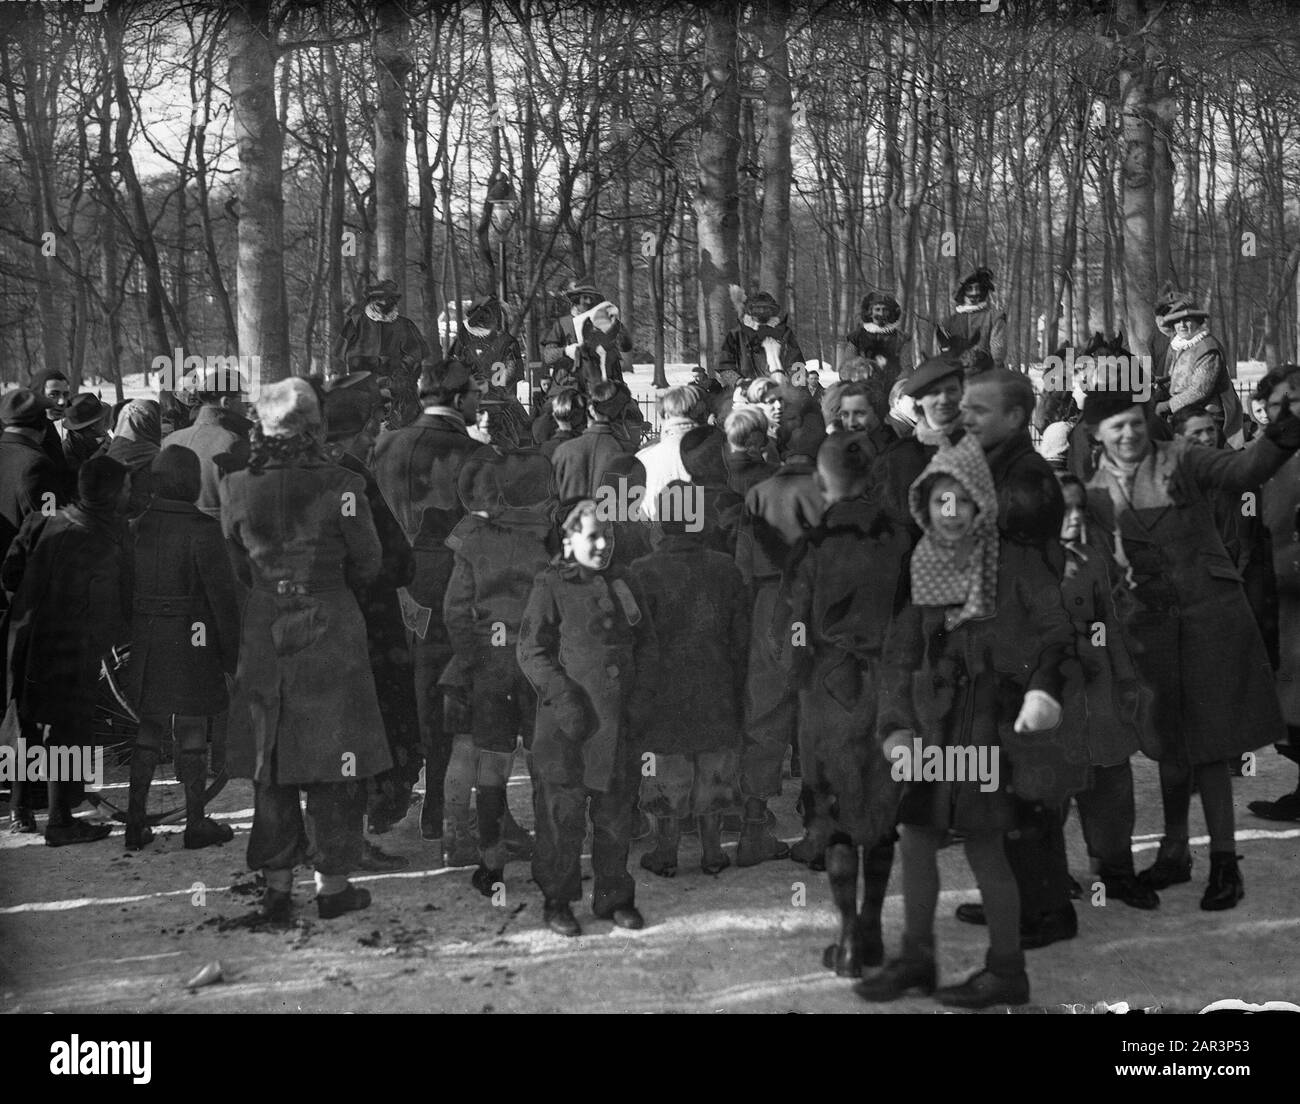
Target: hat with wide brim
[929, 372]
[384, 289]
[582, 287]
[84, 410]
[23, 409]
[1184, 308]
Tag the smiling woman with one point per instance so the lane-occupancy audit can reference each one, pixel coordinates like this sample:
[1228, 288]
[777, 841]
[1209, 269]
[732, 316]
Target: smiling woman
[1200, 648]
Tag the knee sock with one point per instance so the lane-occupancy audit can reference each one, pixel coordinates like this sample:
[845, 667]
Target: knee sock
[458, 783]
[1215, 781]
[1176, 796]
[988, 861]
[920, 851]
[877, 862]
[491, 810]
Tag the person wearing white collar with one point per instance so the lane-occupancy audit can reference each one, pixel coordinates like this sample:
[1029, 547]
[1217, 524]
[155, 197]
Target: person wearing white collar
[976, 322]
[1198, 370]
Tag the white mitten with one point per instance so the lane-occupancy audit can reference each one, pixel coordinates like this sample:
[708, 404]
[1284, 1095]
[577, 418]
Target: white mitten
[1038, 713]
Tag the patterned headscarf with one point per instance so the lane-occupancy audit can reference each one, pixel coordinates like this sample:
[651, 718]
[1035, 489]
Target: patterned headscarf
[937, 578]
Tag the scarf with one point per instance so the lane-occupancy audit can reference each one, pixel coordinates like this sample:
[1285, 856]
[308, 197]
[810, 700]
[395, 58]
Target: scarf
[1178, 344]
[138, 437]
[376, 315]
[676, 427]
[478, 331]
[971, 308]
[938, 576]
[300, 448]
[887, 328]
[935, 438]
[445, 412]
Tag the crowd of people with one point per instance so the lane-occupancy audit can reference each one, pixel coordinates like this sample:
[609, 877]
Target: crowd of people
[946, 633]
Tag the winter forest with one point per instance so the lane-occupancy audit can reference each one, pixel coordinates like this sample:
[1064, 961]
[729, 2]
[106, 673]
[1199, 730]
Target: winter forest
[227, 177]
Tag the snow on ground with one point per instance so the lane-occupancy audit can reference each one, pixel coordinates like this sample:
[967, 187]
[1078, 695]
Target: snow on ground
[93, 928]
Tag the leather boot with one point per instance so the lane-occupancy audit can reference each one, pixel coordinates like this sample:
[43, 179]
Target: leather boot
[911, 971]
[492, 849]
[1226, 887]
[1173, 866]
[143, 762]
[200, 830]
[758, 842]
[714, 860]
[842, 873]
[663, 859]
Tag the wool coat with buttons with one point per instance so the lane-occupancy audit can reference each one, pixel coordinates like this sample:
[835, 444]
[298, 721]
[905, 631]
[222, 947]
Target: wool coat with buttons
[185, 628]
[589, 649]
[1281, 501]
[1193, 635]
[303, 540]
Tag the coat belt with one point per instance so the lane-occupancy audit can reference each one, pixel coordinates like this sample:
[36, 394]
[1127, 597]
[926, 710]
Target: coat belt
[287, 588]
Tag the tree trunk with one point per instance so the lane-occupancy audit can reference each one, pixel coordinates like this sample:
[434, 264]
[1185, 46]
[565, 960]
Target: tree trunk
[259, 141]
[717, 200]
[392, 54]
[777, 168]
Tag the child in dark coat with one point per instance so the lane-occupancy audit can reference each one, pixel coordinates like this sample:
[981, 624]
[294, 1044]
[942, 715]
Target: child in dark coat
[699, 605]
[500, 547]
[184, 642]
[588, 647]
[977, 652]
[844, 591]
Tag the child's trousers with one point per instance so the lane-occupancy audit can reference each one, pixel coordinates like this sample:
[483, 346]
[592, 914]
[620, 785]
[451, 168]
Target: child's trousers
[560, 815]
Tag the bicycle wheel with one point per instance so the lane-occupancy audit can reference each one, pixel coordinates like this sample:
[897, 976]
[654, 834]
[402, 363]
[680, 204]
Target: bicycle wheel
[116, 722]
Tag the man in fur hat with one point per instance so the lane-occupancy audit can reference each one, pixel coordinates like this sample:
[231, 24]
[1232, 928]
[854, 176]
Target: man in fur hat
[376, 338]
[880, 339]
[572, 344]
[976, 322]
[763, 343]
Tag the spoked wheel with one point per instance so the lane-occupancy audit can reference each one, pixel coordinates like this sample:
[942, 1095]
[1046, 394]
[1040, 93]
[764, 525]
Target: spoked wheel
[115, 725]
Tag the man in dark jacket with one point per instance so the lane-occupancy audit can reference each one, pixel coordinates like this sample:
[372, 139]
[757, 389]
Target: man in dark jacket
[763, 341]
[376, 337]
[416, 468]
[996, 411]
[579, 464]
[213, 439]
[28, 477]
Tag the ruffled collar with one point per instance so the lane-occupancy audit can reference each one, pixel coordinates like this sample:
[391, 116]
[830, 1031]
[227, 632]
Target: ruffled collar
[376, 315]
[887, 328]
[971, 308]
[1180, 343]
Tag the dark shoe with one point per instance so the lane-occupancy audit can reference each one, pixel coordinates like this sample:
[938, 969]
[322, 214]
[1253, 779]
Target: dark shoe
[715, 864]
[1226, 887]
[1134, 893]
[627, 916]
[138, 836]
[22, 823]
[1284, 808]
[866, 951]
[61, 835]
[985, 989]
[810, 853]
[713, 860]
[660, 864]
[971, 913]
[560, 919]
[485, 879]
[1167, 870]
[1049, 928]
[334, 905]
[276, 907]
[896, 978]
[758, 843]
[208, 833]
[378, 861]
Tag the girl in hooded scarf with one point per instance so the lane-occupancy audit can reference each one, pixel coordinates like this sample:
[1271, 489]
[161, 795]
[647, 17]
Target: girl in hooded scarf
[977, 650]
[137, 439]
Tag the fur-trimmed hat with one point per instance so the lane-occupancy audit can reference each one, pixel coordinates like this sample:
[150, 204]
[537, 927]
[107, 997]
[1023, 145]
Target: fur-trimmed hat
[762, 301]
[1183, 307]
[981, 278]
[288, 408]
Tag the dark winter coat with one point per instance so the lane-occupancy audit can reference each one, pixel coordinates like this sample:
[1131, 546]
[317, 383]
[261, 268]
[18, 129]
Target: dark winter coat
[1199, 374]
[845, 589]
[417, 469]
[965, 688]
[1193, 636]
[494, 357]
[562, 334]
[887, 346]
[589, 649]
[1281, 500]
[1030, 505]
[26, 475]
[581, 463]
[745, 470]
[393, 349]
[981, 329]
[698, 603]
[547, 448]
[70, 580]
[303, 540]
[183, 579]
[743, 352]
[778, 513]
[219, 449]
[895, 470]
